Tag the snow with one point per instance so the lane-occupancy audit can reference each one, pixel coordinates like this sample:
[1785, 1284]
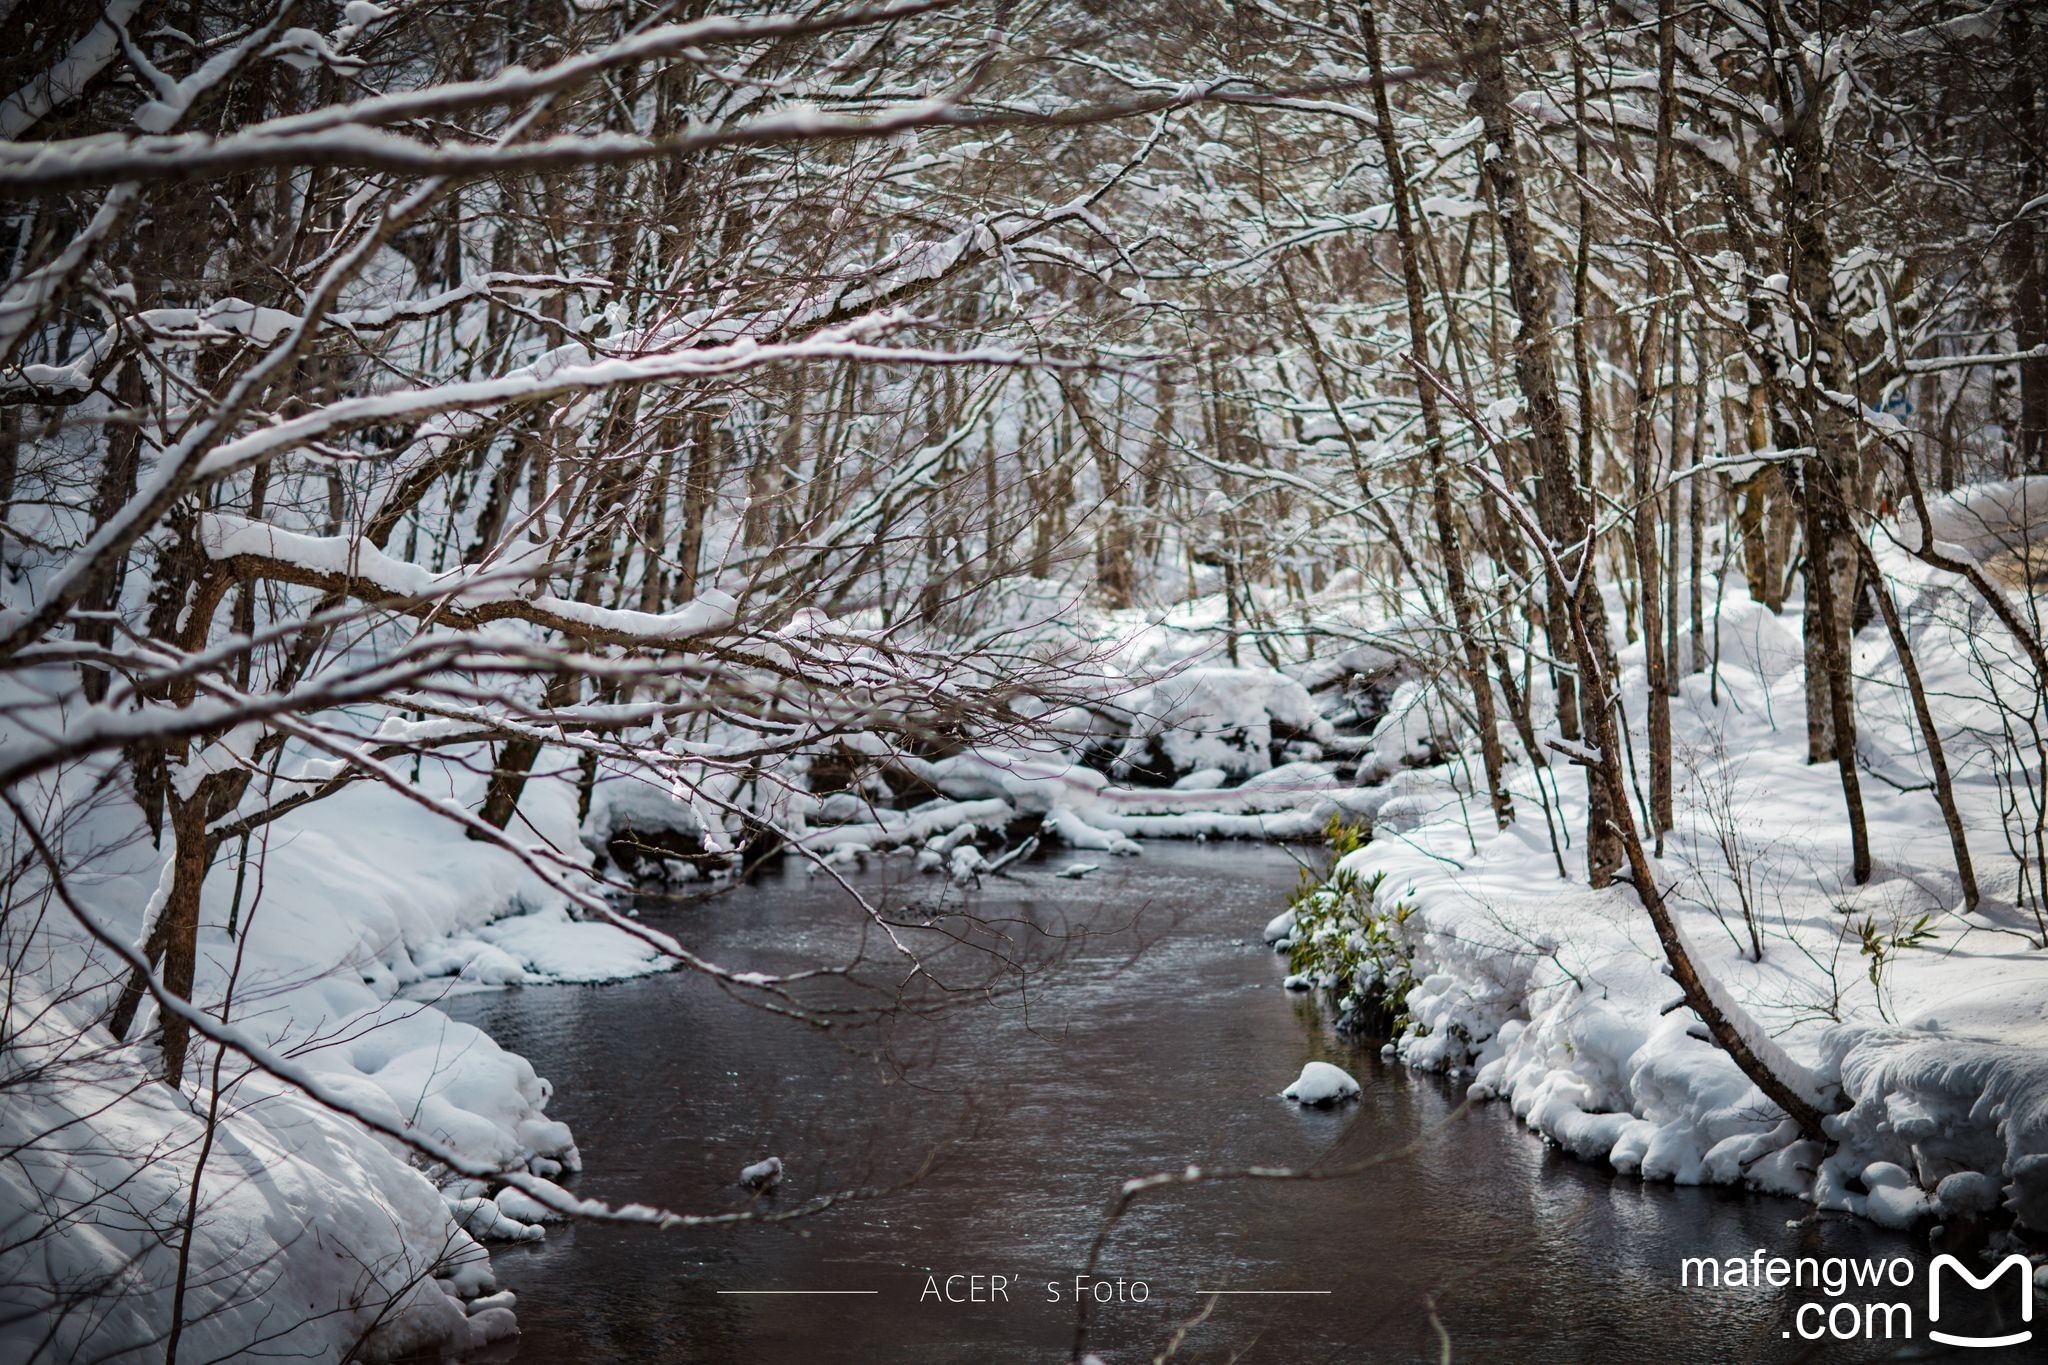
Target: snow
[762, 1174]
[518, 1204]
[1549, 992]
[1414, 729]
[1751, 637]
[365, 914]
[895, 828]
[1554, 994]
[1086, 811]
[965, 864]
[551, 946]
[488, 591]
[1991, 523]
[1321, 1083]
[1071, 828]
[482, 1219]
[1216, 718]
[284, 1166]
[488, 487]
[1949, 1107]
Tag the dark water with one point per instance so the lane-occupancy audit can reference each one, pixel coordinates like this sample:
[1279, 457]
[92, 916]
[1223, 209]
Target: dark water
[1040, 1107]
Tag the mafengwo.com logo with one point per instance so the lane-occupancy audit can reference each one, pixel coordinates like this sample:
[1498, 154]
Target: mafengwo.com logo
[2022, 1270]
[1985, 1311]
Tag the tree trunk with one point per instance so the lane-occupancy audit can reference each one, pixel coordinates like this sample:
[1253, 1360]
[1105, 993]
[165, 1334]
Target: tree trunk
[516, 756]
[1937, 759]
[116, 486]
[2027, 245]
[192, 853]
[1826, 481]
[1827, 651]
[699, 483]
[1485, 719]
[1561, 505]
[1696, 497]
[1115, 542]
[1643, 442]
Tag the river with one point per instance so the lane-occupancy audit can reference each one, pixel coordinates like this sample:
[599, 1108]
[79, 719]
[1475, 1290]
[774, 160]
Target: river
[1161, 1040]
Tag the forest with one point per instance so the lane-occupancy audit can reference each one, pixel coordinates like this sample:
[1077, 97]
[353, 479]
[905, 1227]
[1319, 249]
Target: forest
[485, 485]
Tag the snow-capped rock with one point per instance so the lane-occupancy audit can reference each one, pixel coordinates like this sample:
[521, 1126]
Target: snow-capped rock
[1321, 1083]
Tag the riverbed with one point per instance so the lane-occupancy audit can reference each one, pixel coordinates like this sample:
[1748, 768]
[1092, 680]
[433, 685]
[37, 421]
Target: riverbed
[1154, 1034]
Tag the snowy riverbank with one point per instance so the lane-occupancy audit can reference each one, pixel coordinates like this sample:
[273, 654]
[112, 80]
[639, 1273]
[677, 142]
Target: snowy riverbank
[314, 1236]
[1928, 1022]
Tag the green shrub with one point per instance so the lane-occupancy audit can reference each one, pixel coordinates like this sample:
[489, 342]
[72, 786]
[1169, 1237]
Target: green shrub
[1341, 939]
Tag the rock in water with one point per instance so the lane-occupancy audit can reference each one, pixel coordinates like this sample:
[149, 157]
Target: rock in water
[1321, 1083]
[1073, 871]
[767, 1174]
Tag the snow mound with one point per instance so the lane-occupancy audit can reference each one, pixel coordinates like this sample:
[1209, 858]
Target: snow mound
[1321, 1083]
[364, 908]
[482, 1219]
[1415, 728]
[1291, 778]
[283, 1170]
[1989, 520]
[550, 945]
[637, 825]
[1071, 829]
[1933, 1080]
[1752, 638]
[518, 1204]
[965, 866]
[1227, 718]
[1944, 1108]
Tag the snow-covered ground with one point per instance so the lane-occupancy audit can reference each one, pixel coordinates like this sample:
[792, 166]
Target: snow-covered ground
[315, 1237]
[1552, 997]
